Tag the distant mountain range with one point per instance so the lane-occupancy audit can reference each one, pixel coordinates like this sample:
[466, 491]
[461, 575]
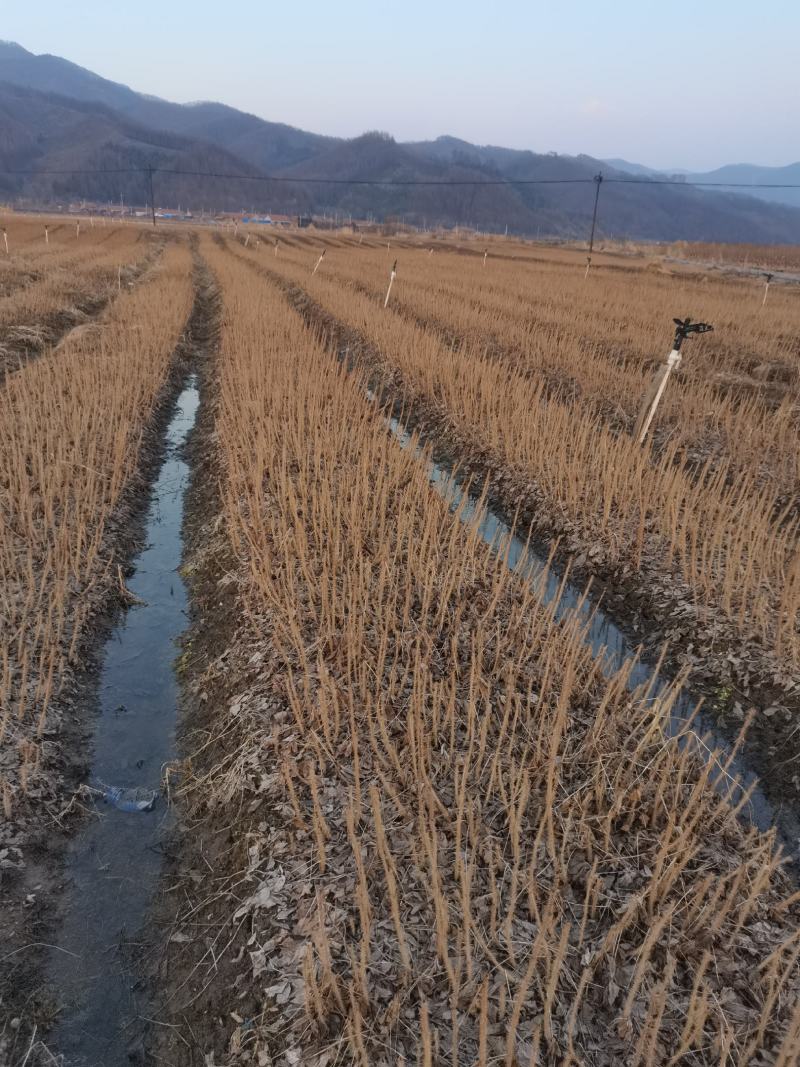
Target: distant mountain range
[58, 119]
[737, 173]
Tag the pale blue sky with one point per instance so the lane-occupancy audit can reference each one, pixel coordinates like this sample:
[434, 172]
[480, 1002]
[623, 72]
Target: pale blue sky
[669, 83]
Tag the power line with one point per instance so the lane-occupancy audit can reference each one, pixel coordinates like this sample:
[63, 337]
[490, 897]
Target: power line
[310, 181]
[444, 182]
[597, 179]
[109, 170]
[702, 185]
[385, 181]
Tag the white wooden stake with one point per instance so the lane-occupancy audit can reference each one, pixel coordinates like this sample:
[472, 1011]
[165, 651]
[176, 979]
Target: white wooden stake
[430, 251]
[46, 236]
[247, 240]
[654, 394]
[485, 254]
[276, 248]
[588, 264]
[314, 271]
[392, 277]
[78, 228]
[91, 221]
[5, 239]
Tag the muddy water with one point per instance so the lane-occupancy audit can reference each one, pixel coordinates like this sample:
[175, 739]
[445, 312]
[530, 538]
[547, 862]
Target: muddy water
[616, 650]
[114, 863]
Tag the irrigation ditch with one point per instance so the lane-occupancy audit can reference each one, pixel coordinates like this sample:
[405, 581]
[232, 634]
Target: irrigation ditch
[196, 960]
[113, 864]
[73, 966]
[647, 617]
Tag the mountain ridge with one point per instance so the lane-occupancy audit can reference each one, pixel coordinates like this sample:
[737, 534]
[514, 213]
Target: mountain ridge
[738, 173]
[111, 125]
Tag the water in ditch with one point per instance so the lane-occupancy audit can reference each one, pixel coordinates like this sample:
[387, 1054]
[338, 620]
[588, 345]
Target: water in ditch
[616, 650]
[114, 862]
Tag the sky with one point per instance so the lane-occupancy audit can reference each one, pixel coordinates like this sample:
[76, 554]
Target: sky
[672, 84]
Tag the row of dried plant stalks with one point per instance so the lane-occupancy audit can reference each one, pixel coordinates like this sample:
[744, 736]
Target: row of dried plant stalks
[57, 286]
[32, 259]
[28, 246]
[488, 852]
[596, 343]
[71, 428]
[729, 546]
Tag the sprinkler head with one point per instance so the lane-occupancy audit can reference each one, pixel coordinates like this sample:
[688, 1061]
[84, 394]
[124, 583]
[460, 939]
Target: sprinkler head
[685, 327]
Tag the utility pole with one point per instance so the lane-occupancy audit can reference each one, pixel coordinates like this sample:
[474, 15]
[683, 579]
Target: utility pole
[598, 180]
[152, 201]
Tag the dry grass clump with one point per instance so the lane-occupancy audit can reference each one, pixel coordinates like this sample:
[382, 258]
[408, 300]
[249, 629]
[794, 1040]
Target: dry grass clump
[463, 844]
[70, 431]
[723, 538]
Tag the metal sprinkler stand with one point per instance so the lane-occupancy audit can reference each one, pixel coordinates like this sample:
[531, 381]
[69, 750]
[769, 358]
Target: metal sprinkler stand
[768, 279]
[683, 328]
